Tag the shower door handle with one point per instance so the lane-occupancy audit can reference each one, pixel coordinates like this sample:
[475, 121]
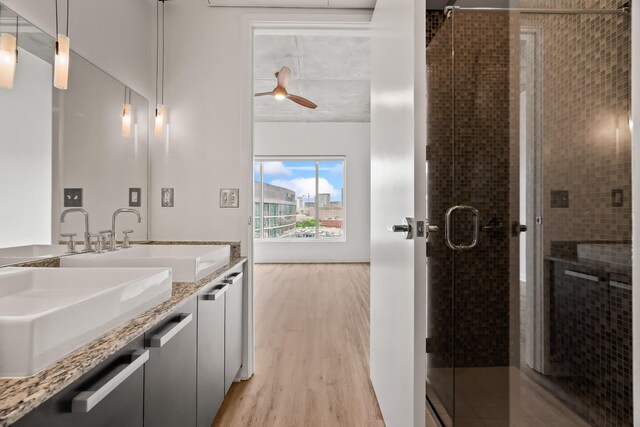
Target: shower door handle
[476, 228]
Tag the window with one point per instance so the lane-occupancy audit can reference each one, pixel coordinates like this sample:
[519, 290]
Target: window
[299, 199]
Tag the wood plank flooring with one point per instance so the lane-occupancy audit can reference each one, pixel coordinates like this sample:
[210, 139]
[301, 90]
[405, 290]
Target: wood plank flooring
[312, 350]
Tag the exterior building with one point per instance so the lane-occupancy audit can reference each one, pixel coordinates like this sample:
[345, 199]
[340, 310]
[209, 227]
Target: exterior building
[323, 199]
[278, 211]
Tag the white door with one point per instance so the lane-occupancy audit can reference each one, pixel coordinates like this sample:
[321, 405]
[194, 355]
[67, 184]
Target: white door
[398, 153]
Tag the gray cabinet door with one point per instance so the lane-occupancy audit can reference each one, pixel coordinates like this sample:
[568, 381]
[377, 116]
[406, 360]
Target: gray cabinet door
[170, 374]
[233, 329]
[211, 388]
[122, 406]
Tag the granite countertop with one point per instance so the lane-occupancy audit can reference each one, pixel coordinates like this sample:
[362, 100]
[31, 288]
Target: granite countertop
[19, 396]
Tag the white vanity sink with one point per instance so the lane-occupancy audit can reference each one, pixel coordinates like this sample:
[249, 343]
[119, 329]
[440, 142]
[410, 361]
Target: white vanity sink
[189, 263]
[46, 313]
[28, 253]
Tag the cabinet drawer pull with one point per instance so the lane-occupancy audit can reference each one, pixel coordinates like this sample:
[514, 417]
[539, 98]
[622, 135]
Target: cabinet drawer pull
[87, 400]
[232, 278]
[620, 285]
[218, 293]
[164, 336]
[581, 275]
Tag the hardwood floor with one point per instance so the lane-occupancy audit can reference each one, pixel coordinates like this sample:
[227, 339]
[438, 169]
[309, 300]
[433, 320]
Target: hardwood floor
[312, 350]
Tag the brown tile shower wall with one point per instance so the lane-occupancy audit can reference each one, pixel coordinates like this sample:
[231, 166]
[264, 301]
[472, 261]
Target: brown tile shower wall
[584, 110]
[479, 176]
[440, 184]
[586, 198]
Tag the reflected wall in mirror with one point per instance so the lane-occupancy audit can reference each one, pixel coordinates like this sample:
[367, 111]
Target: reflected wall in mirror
[93, 153]
[52, 140]
[26, 156]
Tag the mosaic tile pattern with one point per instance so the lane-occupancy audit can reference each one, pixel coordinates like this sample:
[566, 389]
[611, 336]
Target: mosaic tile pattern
[434, 20]
[479, 177]
[591, 341]
[586, 153]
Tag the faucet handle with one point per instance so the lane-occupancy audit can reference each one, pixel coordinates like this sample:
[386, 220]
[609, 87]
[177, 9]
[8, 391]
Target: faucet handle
[126, 240]
[97, 248]
[104, 236]
[71, 245]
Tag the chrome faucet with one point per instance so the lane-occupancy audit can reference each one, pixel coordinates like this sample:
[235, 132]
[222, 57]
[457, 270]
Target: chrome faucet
[113, 245]
[87, 233]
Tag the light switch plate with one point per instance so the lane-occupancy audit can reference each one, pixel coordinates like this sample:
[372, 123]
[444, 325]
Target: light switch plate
[167, 197]
[73, 197]
[229, 198]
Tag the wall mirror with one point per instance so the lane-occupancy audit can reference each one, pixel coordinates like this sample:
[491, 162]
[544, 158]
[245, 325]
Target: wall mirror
[66, 148]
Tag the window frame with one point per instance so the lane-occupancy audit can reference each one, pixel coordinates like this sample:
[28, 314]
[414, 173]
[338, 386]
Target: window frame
[306, 158]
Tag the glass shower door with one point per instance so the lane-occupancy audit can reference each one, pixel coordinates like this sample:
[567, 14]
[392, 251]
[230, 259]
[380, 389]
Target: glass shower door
[440, 318]
[529, 179]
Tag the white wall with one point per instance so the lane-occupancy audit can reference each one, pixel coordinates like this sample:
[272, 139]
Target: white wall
[116, 35]
[322, 139]
[208, 96]
[26, 155]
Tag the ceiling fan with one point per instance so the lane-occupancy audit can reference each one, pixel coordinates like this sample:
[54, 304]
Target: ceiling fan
[280, 92]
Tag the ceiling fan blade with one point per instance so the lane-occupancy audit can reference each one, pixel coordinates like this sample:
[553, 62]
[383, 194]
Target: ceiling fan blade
[283, 76]
[264, 93]
[302, 101]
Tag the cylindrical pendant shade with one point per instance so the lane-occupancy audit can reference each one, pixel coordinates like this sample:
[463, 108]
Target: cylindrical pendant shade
[7, 60]
[61, 70]
[160, 112]
[126, 120]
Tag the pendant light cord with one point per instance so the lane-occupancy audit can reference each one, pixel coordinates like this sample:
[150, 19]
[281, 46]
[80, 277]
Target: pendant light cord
[58, 26]
[17, 22]
[157, 48]
[163, 21]
[57, 32]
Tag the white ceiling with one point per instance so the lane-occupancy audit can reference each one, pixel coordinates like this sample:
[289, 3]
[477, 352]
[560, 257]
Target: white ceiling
[332, 71]
[331, 4]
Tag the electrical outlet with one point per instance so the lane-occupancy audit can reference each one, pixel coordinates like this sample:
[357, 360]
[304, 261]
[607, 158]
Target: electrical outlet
[73, 197]
[135, 197]
[167, 197]
[229, 198]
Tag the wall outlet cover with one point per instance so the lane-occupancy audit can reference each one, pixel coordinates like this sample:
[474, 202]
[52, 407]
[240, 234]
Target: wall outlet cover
[617, 198]
[135, 197]
[73, 197]
[559, 198]
[167, 197]
[229, 198]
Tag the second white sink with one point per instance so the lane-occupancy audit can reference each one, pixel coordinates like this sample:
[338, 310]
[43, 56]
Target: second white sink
[20, 254]
[189, 263]
[46, 313]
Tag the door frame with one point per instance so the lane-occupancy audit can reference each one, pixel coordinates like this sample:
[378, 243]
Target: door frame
[283, 22]
[537, 296]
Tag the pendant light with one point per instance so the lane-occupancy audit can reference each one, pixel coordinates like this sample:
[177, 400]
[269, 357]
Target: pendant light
[160, 108]
[61, 67]
[126, 114]
[8, 57]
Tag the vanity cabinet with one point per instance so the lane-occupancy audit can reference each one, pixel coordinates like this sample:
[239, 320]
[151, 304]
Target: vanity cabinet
[170, 373]
[176, 374]
[233, 328]
[211, 386]
[111, 394]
